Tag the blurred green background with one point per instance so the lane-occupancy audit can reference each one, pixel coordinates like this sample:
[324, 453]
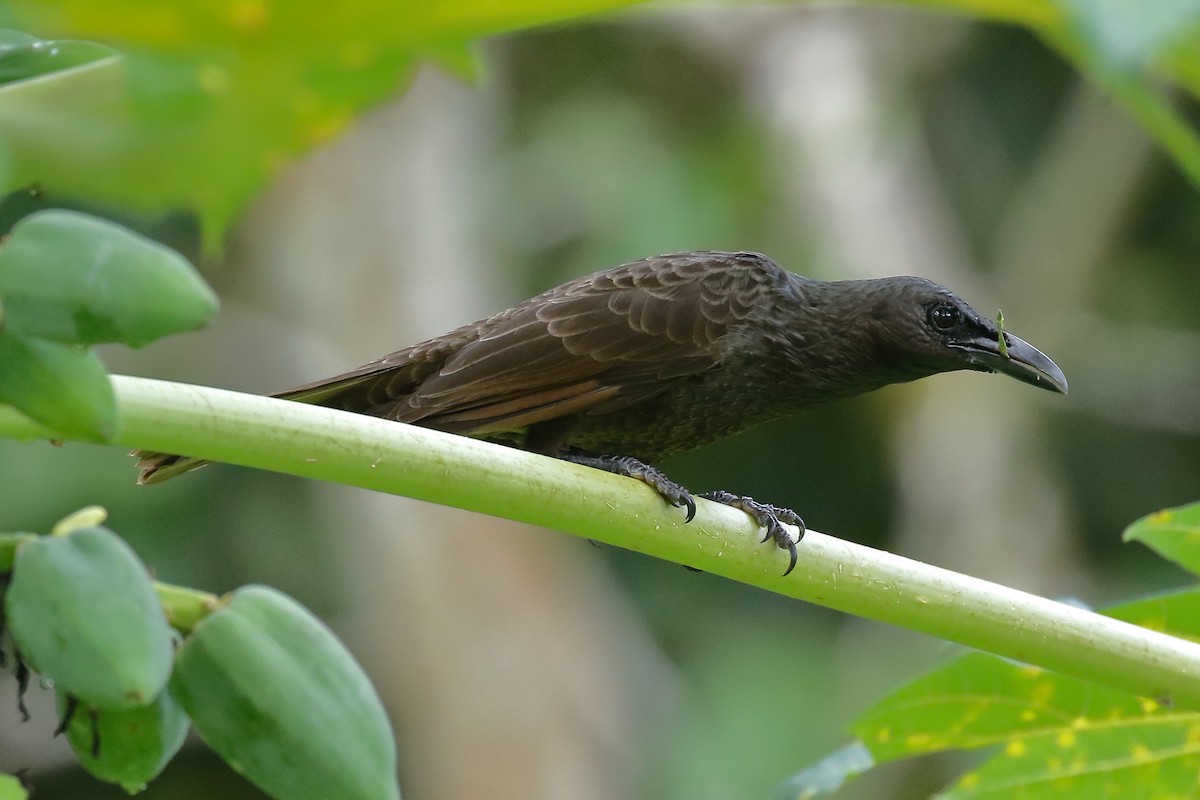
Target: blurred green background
[841, 141]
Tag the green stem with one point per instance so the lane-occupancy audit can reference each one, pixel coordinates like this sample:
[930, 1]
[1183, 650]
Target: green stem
[452, 470]
[185, 607]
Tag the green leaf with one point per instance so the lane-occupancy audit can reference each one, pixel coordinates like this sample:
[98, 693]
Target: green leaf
[23, 57]
[1148, 758]
[460, 60]
[212, 99]
[1173, 533]
[64, 387]
[78, 279]
[1128, 48]
[1061, 736]
[1128, 35]
[10, 38]
[11, 788]
[1176, 613]
[979, 700]
[829, 774]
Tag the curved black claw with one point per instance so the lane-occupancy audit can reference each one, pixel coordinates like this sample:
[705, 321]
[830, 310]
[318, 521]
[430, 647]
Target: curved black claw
[770, 518]
[630, 467]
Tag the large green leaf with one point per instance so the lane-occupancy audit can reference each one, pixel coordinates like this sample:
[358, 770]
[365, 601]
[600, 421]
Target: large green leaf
[1056, 733]
[211, 99]
[1146, 758]
[1057, 736]
[979, 700]
[1176, 613]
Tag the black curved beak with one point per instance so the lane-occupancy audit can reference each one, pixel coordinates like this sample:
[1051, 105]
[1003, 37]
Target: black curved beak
[1021, 360]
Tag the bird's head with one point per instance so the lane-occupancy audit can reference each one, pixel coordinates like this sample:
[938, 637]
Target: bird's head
[925, 327]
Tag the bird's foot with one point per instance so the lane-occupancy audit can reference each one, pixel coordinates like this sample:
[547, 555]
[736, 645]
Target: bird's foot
[630, 467]
[771, 518]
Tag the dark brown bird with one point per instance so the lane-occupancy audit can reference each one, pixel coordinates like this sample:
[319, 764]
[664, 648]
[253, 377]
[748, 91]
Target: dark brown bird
[621, 368]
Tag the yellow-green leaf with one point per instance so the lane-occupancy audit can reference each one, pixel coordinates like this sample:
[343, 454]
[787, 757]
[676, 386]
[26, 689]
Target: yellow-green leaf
[211, 99]
[979, 700]
[1173, 533]
[1147, 758]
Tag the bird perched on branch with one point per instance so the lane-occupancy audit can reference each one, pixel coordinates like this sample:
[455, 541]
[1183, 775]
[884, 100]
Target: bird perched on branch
[624, 367]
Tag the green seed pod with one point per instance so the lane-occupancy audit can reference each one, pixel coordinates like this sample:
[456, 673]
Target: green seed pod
[65, 388]
[78, 279]
[279, 698]
[126, 746]
[83, 613]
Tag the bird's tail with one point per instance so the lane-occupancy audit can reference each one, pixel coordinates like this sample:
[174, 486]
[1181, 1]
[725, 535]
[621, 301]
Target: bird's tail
[157, 467]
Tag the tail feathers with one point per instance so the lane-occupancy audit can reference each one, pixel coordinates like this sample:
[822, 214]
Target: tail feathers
[158, 467]
[335, 392]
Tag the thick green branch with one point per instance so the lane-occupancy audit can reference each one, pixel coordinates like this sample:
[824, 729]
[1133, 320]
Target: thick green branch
[406, 460]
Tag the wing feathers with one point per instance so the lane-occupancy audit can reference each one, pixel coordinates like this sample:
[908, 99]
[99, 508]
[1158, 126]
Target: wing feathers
[594, 345]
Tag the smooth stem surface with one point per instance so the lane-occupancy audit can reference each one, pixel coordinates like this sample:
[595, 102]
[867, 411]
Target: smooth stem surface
[456, 471]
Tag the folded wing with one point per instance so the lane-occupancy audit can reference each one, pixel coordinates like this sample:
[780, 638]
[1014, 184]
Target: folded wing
[595, 345]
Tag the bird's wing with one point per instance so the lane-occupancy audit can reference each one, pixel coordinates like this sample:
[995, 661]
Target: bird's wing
[599, 343]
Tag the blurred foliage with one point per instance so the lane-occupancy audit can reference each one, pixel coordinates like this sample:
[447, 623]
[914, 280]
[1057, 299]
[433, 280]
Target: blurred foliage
[211, 99]
[1124, 47]
[989, 110]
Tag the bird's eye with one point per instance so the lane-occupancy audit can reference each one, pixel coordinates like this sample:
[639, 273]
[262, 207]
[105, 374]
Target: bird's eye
[944, 316]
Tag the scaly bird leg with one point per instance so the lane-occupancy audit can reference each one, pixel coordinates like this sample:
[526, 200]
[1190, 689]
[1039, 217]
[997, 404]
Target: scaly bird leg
[771, 518]
[630, 467]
